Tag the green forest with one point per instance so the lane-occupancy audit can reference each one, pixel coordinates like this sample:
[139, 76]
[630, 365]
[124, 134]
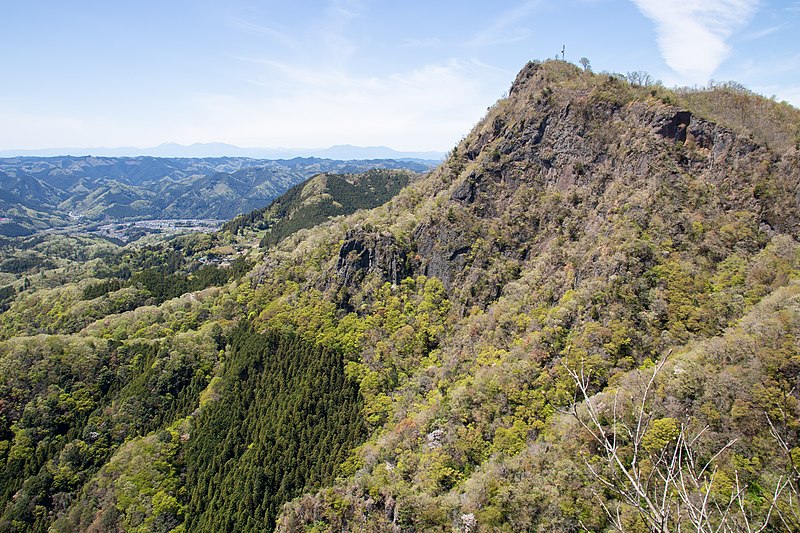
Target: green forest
[586, 319]
[318, 199]
[285, 418]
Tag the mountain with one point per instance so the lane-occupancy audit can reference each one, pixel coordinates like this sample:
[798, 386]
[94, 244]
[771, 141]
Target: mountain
[586, 231]
[586, 318]
[320, 198]
[217, 150]
[122, 188]
[348, 151]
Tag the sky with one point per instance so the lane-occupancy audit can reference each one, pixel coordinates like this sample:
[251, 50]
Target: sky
[412, 75]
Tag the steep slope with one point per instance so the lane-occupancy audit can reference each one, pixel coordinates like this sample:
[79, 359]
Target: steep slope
[26, 203]
[583, 217]
[28, 191]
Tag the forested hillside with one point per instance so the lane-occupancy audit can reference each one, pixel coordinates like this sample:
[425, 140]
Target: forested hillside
[585, 319]
[318, 199]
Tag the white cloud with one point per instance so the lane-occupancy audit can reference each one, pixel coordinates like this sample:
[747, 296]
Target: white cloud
[259, 29]
[332, 31]
[693, 35]
[314, 106]
[759, 34]
[502, 29]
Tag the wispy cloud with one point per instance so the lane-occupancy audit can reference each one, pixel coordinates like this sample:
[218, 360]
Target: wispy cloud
[259, 29]
[756, 72]
[758, 34]
[503, 29]
[421, 43]
[323, 105]
[693, 36]
[332, 29]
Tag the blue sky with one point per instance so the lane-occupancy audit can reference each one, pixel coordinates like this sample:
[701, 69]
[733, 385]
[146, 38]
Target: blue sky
[412, 75]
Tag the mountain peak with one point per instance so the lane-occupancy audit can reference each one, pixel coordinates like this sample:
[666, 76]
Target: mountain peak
[216, 149]
[585, 227]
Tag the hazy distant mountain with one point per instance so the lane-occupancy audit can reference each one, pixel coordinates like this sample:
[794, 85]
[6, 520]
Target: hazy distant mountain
[347, 151]
[39, 192]
[204, 150]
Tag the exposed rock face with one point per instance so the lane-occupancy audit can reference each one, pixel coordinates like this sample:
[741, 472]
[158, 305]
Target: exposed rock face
[465, 191]
[443, 251]
[720, 141]
[582, 214]
[676, 127]
[364, 252]
[577, 142]
[576, 151]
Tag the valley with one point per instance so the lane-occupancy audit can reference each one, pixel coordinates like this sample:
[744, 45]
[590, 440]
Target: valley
[38, 193]
[125, 232]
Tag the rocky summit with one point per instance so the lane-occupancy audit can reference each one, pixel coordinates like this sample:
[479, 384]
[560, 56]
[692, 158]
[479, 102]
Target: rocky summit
[586, 228]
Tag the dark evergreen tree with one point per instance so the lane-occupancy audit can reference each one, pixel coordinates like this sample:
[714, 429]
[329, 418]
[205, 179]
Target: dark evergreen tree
[286, 418]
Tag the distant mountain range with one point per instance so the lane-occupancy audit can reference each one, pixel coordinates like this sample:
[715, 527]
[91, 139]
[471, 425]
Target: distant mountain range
[42, 192]
[203, 150]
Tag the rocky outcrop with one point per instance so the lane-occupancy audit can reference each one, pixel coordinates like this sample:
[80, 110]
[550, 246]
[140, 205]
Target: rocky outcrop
[538, 154]
[719, 140]
[549, 162]
[676, 127]
[442, 249]
[364, 253]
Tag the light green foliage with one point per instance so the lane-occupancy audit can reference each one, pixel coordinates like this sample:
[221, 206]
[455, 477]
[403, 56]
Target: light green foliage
[621, 263]
[510, 441]
[661, 433]
[137, 489]
[399, 327]
[79, 398]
